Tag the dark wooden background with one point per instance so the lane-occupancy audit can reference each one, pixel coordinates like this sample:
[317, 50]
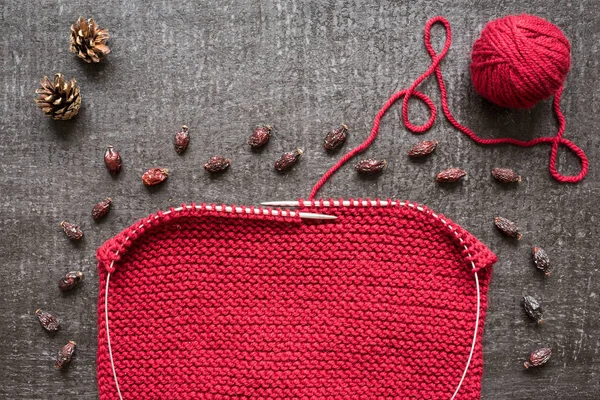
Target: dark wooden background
[221, 67]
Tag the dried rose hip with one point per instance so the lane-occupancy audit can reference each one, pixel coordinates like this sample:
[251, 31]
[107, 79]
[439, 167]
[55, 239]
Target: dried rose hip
[217, 164]
[260, 137]
[288, 160]
[336, 138]
[508, 227]
[533, 308]
[101, 209]
[65, 355]
[112, 160]
[70, 280]
[538, 357]
[182, 139]
[506, 175]
[154, 176]
[370, 166]
[72, 231]
[422, 149]
[541, 260]
[450, 175]
[47, 320]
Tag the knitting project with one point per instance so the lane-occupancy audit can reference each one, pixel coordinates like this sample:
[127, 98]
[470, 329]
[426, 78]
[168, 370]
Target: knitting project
[381, 302]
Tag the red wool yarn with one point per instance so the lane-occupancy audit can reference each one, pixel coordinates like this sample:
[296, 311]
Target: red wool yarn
[380, 303]
[387, 301]
[520, 60]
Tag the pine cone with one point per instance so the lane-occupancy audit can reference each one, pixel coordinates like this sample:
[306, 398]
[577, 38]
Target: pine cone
[88, 41]
[59, 99]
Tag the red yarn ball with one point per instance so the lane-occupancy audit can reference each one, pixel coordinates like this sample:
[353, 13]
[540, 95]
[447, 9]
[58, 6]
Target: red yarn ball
[520, 60]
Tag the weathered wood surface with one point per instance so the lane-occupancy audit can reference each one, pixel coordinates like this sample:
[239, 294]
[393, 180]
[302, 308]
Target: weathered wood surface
[223, 66]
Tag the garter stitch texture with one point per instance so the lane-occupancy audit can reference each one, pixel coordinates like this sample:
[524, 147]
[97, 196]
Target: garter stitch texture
[378, 303]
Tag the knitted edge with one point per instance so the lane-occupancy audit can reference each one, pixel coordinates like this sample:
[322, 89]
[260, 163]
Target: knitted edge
[114, 248]
[477, 255]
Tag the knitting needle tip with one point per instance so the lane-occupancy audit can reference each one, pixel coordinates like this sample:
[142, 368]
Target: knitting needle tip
[305, 215]
[284, 203]
[295, 203]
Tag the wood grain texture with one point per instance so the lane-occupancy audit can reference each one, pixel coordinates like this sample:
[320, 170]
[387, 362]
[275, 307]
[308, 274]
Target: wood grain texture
[221, 67]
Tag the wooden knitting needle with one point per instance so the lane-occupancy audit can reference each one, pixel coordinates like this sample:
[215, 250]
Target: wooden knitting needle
[258, 211]
[327, 203]
[305, 215]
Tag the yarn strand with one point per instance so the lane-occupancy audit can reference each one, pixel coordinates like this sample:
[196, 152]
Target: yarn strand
[412, 91]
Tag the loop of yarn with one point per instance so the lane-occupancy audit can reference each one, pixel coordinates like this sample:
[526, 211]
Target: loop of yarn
[551, 70]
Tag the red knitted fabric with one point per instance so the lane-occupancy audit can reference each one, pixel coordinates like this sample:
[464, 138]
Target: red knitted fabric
[378, 303]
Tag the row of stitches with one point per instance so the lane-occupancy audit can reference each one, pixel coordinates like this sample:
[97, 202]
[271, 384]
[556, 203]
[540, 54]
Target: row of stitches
[236, 277]
[252, 268]
[227, 392]
[298, 369]
[330, 314]
[244, 293]
[224, 353]
[348, 251]
[359, 339]
[261, 304]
